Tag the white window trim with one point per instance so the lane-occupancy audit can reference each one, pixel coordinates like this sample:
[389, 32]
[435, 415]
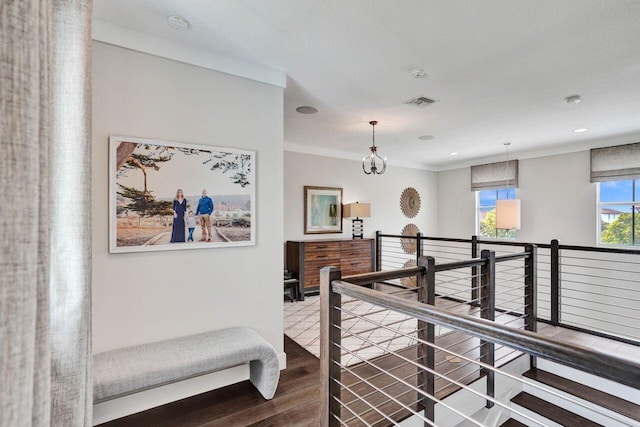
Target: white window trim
[477, 215]
[599, 220]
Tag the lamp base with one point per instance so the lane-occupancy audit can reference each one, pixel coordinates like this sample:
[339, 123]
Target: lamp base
[357, 228]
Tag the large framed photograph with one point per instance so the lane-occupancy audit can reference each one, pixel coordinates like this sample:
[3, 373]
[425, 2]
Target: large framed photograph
[322, 210]
[170, 195]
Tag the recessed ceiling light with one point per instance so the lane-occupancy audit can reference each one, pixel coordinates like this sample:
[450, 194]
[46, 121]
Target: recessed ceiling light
[453, 153]
[581, 130]
[426, 137]
[573, 99]
[177, 22]
[305, 109]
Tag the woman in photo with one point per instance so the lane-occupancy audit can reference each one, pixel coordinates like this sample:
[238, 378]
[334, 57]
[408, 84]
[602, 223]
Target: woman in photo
[179, 208]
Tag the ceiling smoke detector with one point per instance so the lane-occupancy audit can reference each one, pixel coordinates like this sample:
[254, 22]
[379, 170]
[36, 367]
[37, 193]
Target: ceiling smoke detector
[420, 101]
[177, 22]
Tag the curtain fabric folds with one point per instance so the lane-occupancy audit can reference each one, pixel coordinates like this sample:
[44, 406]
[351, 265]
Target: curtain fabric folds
[615, 163]
[492, 176]
[45, 165]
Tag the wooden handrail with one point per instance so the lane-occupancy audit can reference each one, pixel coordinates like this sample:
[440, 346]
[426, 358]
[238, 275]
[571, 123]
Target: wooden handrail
[381, 276]
[605, 365]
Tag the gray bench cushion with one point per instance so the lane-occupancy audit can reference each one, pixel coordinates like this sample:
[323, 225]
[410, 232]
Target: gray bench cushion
[132, 369]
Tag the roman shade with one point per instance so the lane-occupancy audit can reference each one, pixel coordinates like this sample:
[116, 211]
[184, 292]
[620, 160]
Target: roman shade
[615, 163]
[494, 175]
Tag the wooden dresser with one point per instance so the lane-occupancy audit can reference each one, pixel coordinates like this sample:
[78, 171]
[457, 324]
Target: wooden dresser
[307, 257]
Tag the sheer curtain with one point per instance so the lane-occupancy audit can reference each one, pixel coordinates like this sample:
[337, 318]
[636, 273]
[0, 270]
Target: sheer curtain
[45, 213]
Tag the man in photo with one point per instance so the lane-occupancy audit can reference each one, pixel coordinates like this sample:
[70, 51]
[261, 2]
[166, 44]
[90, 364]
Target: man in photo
[204, 211]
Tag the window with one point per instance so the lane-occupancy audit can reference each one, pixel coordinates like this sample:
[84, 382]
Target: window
[486, 213]
[619, 209]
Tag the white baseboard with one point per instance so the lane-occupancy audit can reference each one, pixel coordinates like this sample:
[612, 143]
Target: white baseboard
[137, 402]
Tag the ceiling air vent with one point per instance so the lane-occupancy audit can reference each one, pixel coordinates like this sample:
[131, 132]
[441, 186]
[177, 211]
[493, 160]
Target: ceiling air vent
[420, 101]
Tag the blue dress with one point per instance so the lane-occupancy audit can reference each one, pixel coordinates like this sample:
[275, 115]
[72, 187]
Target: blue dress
[177, 232]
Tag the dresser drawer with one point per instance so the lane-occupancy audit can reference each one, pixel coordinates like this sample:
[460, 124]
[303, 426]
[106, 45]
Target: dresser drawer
[355, 267]
[356, 245]
[322, 248]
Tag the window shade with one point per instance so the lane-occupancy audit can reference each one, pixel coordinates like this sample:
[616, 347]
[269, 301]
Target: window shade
[615, 163]
[494, 175]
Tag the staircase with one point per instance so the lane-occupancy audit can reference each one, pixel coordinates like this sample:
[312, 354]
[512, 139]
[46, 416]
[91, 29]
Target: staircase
[550, 407]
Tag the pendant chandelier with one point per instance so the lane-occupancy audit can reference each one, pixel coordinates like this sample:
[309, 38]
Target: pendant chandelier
[508, 211]
[374, 159]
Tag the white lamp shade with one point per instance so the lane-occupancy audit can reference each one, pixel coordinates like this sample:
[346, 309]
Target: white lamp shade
[357, 210]
[508, 214]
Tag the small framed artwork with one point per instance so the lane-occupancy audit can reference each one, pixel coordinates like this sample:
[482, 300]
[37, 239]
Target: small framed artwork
[322, 210]
[171, 195]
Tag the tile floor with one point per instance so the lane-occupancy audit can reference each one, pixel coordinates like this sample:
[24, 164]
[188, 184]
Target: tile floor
[302, 324]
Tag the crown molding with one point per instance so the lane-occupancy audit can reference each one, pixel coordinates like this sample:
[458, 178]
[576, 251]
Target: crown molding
[546, 151]
[124, 37]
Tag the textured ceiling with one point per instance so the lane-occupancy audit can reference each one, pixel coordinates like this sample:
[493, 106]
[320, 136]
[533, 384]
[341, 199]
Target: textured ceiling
[498, 69]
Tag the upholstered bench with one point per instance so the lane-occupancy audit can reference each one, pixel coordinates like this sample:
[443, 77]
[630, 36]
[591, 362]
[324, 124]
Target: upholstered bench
[130, 370]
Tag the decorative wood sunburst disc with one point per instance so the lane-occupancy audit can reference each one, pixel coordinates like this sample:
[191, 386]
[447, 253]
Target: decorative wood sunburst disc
[409, 246]
[411, 281]
[410, 202]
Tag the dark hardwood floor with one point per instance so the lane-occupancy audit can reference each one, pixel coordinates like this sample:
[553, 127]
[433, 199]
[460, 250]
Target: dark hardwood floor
[296, 403]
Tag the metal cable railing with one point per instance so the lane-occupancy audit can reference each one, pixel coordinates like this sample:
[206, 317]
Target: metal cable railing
[386, 358]
[593, 290]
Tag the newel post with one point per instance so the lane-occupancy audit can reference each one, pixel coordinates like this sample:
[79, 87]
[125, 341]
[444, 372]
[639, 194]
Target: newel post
[531, 288]
[378, 250]
[426, 332]
[330, 371]
[488, 311]
[555, 282]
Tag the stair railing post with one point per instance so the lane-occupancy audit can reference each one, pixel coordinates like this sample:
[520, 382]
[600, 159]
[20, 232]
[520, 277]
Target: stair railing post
[474, 272]
[488, 311]
[426, 332]
[555, 282]
[531, 293]
[378, 250]
[330, 339]
[418, 246]
[531, 288]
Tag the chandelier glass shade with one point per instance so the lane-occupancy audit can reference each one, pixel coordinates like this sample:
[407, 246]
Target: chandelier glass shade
[373, 164]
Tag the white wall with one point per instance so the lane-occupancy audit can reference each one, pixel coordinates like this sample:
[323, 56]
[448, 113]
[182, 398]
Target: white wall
[456, 204]
[382, 191]
[144, 297]
[558, 201]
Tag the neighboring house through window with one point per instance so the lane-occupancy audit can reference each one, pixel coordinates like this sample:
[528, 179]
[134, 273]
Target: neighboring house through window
[486, 213]
[619, 212]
